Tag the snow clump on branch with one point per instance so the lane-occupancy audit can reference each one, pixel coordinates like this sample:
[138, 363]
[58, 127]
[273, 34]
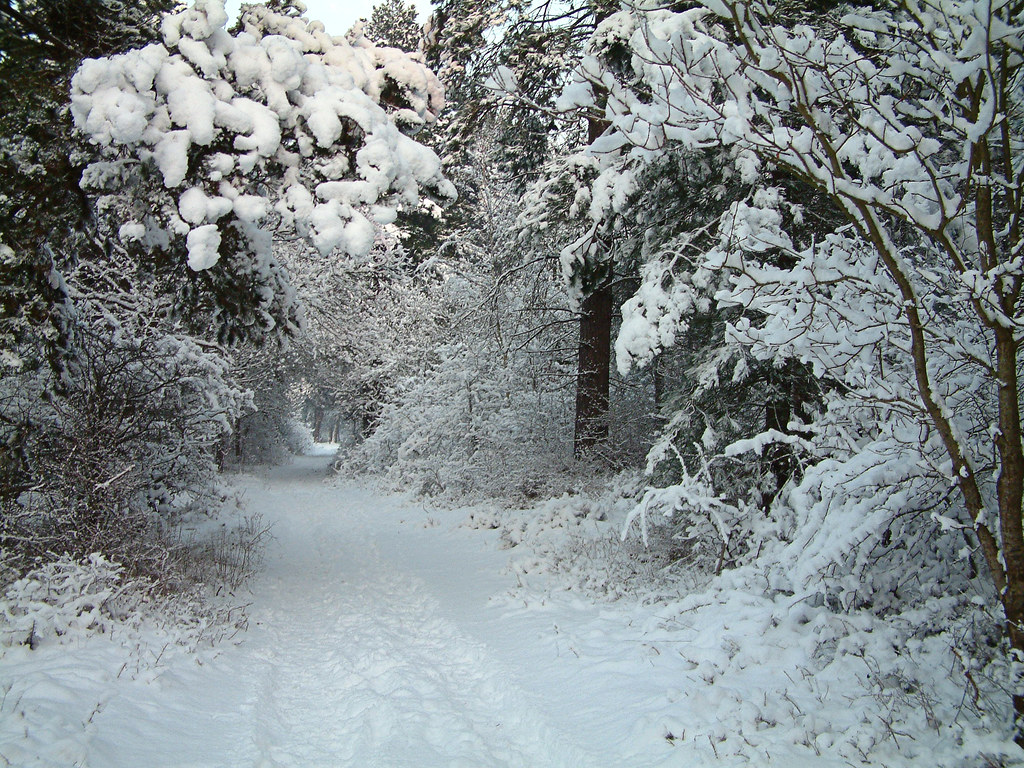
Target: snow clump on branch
[224, 128]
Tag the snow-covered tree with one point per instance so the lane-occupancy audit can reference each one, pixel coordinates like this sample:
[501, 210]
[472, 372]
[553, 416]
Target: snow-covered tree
[209, 140]
[51, 336]
[112, 455]
[393, 24]
[371, 322]
[42, 210]
[489, 411]
[906, 117]
[509, 81]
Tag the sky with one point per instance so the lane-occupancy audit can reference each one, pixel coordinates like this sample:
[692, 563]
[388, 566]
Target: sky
[338, 15]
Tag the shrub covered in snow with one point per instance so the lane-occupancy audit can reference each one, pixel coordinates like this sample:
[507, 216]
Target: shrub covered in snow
[62, 597]
[471, 426]
[122, 445]
[915, 678]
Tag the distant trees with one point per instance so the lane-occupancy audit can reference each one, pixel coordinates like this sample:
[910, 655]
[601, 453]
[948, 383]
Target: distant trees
[478, 391]
[506, 63]
[371, 322]
[393, 24]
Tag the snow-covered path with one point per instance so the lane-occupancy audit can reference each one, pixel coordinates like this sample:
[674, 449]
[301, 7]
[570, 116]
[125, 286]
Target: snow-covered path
[386, 634]
[355, 663]
[363, 650]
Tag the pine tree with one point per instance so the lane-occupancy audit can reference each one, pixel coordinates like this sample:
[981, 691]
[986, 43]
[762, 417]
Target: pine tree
[44, 217]
[45, 221]
[393, 24]
[504, 64]
[196, 187]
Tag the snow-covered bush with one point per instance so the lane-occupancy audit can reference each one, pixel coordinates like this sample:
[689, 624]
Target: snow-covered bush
[921, 686]
[63, 597]
[471, 426]
[577, 537]
[914, 679]
[124, 443]
[220, 553]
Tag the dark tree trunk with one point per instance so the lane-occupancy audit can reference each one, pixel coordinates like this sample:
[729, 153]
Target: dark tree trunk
[778, 457]
[788, 399]
[660, 385]
[318, 423]
[595, 355]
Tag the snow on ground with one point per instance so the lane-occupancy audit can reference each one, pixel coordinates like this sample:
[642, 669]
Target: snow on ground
[385, 634]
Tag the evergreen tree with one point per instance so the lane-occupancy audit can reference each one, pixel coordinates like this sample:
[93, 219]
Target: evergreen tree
[45, 221]
[44, 217]
[182, 161]
[905, 117]
[505, 64]
[393, 24]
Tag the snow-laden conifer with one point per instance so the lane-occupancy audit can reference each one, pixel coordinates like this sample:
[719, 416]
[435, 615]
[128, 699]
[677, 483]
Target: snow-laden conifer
[207, 141]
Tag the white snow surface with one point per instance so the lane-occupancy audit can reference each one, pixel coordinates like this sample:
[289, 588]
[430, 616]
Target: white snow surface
[383, 633]
[372, 641]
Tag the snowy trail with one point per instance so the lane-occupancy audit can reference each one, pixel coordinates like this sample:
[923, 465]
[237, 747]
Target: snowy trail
[350, 660]
[383, 634]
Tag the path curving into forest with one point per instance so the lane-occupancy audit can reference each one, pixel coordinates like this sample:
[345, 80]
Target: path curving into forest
[385, 633]
[361, 651]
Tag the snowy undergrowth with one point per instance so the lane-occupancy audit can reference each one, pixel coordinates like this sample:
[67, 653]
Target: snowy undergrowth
[765, 670]
[471, 429]
[65, 602]
[82, 660]
[74, 632]
[761, 671]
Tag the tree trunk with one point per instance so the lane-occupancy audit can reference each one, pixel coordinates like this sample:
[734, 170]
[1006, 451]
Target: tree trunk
[660, 386]
[790, 398]
[595, 354]
[1010, 492]
[592, 382]
[318, 423]
[777, 456]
